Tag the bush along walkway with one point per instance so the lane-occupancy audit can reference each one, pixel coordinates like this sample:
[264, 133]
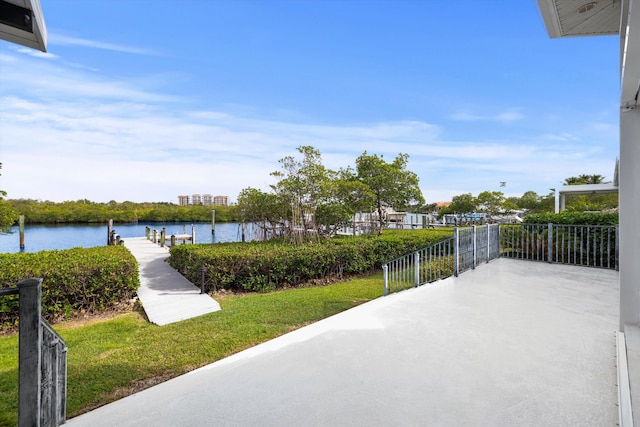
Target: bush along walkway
[165, 294]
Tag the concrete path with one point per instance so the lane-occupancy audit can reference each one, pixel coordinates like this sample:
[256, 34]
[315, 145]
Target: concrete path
[166, 295]
[512, 343]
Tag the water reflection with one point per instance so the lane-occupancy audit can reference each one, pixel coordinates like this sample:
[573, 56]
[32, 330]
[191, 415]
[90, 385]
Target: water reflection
[48, 237]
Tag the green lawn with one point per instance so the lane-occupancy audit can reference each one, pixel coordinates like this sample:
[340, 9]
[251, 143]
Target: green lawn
[110, 359]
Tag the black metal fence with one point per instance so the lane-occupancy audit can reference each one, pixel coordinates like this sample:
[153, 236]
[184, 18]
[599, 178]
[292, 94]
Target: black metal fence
[583, 245]
[42, 353]
[468, 247]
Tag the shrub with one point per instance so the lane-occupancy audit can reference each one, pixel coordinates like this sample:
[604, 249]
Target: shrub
[573, 218]
[264, 266]
[74, 280]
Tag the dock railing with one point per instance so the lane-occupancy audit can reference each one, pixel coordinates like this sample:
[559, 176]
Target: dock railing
[42, 354]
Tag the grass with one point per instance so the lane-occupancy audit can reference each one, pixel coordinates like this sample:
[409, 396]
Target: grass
[110, 359]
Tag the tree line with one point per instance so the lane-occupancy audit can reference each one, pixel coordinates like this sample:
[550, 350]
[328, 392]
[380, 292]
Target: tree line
[308, 197]
[495, 202]
[88, 212]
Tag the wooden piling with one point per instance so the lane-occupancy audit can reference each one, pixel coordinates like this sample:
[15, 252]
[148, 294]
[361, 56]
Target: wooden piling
[21, 226]
[243, 227]
[109, 230]
[193, 235]
[213, 221]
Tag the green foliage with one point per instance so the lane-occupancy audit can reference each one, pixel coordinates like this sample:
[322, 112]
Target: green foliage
[391, 183]
[264, 266]
[460, 204]
[74, 280]
[310, 199]
[86, 211]
[574, 218]
[8, 216]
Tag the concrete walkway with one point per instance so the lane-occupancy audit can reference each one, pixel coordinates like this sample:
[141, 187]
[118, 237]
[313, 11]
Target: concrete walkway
[512, 343]
[166, 295]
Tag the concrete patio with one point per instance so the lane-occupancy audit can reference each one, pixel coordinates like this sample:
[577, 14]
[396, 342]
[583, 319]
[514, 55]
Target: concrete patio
[510, 343]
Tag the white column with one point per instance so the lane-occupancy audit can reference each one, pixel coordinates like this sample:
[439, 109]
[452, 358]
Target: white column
[630, 217]
[629, 172]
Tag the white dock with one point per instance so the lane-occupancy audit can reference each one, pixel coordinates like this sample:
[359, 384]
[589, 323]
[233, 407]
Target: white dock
[166, 295]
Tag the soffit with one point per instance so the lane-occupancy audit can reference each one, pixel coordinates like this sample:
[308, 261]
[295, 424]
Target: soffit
[567, 18]
[30, 30]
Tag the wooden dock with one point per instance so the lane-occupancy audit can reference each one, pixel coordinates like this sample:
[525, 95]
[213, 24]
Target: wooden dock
[166, 295]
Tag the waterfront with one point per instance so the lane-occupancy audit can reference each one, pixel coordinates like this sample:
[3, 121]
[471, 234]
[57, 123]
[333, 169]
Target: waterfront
[49, 237]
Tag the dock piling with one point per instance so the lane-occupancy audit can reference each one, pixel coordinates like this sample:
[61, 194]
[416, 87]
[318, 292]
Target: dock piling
[21, 226]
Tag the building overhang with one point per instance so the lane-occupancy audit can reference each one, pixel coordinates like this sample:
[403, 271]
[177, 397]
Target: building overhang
[22, 22]
[574, 18]
[589, 189]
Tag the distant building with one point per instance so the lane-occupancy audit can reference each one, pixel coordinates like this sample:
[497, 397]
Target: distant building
[204, 199]
[221, 201]
[442, 205]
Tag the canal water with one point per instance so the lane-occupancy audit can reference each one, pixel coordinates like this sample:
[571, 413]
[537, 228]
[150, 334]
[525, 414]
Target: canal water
[48, 237]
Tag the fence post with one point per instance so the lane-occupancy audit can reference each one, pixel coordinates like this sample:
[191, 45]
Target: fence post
[456, 251]
[474, 247]
[29, 350]
[385, 273]
[549, 243]
[488, 242]
[416, 265]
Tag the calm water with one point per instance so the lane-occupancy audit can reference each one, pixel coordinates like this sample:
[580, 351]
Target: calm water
[48, 237]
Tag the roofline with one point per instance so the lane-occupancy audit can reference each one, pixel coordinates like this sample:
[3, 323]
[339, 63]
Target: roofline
[37, 39]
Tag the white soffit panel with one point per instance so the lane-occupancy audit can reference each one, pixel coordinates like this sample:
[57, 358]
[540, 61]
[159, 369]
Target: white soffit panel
[573, 18]
[22, 22]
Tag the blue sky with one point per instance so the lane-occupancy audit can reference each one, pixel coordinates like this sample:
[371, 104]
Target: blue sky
[145, 100]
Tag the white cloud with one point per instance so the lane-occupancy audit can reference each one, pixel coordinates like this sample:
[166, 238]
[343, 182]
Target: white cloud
[63, 40]
[505, 116]
[73, 135]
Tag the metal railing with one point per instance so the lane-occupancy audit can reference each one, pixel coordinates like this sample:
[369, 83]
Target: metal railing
[583, 245]
[468, 247]
[42, 369]
[476, 244]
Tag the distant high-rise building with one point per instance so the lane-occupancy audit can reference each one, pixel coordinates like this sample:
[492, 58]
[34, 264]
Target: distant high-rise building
[221, 201]
[204, 199]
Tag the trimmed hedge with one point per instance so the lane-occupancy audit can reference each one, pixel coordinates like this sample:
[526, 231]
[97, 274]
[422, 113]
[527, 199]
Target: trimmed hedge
[265, 266]
[573, 218]
[74, 280]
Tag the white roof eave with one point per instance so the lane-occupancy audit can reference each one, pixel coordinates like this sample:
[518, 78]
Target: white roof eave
[35, 40]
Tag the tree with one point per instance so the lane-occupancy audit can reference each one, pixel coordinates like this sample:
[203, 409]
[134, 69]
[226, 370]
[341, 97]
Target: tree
[460, 204]
[584, 179]
[391, 184]
[585, 202]
[344, 198]
[266, 210]
[491, 202]
[8, 216]
[303, 184]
